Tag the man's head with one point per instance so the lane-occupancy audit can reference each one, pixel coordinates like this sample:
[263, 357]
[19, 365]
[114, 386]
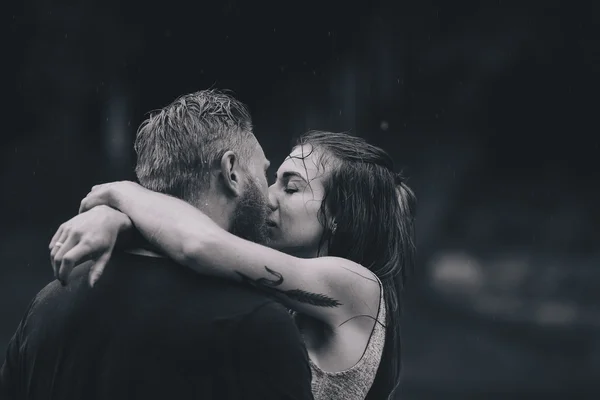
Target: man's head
[201, 149]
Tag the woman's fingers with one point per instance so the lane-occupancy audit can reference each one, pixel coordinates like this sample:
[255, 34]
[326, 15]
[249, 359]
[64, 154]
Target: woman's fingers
[98, 268]
[97, 197]
[87, 203]
[104, 194]
[60, 242]
[100, 186]
[75, 256]
[69, 242]
[88, 236]
[55, 237]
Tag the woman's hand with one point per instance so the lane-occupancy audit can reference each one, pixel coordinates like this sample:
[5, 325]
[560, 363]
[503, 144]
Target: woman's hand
[91, 235]
[111, 194]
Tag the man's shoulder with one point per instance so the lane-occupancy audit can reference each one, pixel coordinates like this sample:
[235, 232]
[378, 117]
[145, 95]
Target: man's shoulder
[54, 290]
[150, 283]
[175, 283]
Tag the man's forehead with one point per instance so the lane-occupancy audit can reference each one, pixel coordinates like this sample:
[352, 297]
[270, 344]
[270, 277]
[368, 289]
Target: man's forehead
[261, 153]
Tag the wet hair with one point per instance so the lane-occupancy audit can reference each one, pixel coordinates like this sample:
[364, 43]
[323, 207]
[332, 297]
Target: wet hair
[368, 213]
[178, 145]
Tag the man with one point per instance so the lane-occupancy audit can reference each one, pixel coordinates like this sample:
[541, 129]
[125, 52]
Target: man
[151, 329]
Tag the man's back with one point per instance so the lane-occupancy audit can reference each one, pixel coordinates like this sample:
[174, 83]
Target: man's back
[152, 329]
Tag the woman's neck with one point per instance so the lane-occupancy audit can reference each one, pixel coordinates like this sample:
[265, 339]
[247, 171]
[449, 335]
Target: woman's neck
[305, 253]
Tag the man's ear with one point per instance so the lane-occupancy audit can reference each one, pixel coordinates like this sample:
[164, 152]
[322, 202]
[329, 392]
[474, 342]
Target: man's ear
[231, 173]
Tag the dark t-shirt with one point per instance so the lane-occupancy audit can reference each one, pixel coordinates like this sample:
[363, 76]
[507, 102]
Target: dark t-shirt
[151, 329]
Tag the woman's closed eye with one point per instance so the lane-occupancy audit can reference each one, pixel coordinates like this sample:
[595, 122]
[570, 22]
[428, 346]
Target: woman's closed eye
[290, 190]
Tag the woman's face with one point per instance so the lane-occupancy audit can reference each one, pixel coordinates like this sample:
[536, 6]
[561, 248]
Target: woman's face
[295, 199]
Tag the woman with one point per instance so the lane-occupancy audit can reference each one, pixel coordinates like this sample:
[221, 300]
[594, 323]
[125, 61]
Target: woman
[343, 223]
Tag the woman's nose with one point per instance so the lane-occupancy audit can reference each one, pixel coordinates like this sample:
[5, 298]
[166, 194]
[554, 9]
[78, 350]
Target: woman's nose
[272, 198]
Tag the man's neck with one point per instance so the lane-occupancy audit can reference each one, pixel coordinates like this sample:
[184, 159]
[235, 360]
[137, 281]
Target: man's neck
[215, 207]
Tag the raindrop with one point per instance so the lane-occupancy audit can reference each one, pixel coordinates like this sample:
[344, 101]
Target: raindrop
[384, 125]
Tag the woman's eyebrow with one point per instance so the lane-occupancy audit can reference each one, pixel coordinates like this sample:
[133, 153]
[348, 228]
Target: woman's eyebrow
[290, 174]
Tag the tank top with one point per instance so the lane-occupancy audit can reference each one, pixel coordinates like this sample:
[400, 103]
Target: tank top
[353, 383]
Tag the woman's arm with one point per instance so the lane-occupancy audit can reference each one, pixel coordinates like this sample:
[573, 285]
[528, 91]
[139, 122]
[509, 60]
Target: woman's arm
[328, 288]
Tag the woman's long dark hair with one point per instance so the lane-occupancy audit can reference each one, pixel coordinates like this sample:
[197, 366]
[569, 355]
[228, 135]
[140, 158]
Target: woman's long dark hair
[374, 212]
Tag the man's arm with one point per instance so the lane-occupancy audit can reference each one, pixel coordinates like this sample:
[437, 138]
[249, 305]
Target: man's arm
[273, 362]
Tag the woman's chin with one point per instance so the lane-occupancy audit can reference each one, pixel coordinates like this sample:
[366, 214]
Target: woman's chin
[276, 243]
[272, 242]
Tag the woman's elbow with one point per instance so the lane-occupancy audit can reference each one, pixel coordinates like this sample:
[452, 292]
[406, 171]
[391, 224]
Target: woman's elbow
[190, 251]
[195, 249]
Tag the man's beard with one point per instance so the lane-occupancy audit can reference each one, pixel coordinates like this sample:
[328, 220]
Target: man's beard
[250, 216]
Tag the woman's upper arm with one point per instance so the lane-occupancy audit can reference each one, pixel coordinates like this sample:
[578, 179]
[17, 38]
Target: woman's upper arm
[328, 288]
[355, 287]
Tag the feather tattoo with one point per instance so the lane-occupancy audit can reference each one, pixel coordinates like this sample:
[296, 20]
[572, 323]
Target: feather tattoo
[301, 296]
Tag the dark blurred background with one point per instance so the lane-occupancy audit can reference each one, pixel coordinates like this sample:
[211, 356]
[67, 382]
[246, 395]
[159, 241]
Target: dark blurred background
[486, 106]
